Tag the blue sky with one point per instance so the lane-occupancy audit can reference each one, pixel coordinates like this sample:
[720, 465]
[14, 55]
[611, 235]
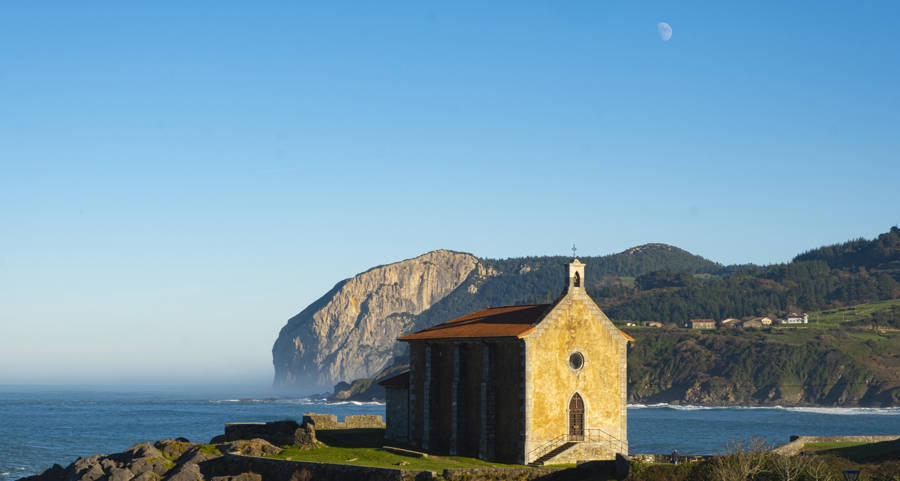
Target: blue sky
[178, 180]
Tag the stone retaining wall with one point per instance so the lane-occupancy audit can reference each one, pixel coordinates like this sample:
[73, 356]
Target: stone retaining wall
[363, 421]
[510, 474]
[279, 433]
[280, 470]
[329, 421]
[667, 458]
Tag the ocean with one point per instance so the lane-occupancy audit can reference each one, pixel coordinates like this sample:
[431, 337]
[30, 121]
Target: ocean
[43, 426]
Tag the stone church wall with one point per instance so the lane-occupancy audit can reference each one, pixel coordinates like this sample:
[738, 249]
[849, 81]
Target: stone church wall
[509, 402]
[470, 407]
[397, 414]
[470, 393]
[576, 324]
[442, 381]
[417, 396]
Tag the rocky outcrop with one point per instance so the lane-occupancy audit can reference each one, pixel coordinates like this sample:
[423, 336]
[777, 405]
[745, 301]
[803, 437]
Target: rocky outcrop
[349, 333]
[181, 460]
[252, 447]
[168, 460]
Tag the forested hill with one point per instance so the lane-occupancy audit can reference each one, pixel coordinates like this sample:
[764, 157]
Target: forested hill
[658, 282]
[539, 279]
[851, 273]
[881, 253]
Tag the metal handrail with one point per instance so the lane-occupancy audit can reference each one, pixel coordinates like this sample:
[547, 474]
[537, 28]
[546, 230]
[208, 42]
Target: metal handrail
[599, 436]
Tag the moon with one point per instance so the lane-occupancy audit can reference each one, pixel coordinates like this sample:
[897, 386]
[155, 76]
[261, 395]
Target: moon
[665, 31]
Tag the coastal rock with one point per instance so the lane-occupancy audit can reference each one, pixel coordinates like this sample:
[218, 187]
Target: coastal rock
[54, 473]
[172, 448]
[120, 474]
[252, 447]
[88, 469]
[150, 464]
[196, 455]
[143, 450]
[148, 476]
[185, 472]
[166, 460]
[239, 477]
[349, 332]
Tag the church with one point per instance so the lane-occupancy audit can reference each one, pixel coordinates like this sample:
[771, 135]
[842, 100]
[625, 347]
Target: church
[533, 384]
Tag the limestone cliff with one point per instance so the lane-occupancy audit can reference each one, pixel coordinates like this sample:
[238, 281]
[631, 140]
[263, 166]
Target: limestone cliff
[349, 332]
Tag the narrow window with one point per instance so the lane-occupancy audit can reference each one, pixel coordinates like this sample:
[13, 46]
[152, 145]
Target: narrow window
[577, 280]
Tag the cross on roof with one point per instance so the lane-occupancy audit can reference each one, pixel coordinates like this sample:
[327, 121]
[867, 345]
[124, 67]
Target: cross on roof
[573, 250]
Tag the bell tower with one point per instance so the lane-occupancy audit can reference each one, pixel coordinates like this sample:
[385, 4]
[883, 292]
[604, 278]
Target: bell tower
[576, 275]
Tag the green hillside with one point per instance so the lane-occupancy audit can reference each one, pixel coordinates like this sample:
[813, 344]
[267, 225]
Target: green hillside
[791, 366]
[875, 314]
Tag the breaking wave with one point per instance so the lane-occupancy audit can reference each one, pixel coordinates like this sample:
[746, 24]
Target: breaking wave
[299, 401]
[889, 411]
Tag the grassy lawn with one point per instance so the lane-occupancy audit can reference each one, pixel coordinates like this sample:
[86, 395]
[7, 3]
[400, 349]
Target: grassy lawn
[834, 317]
[857, 452]
[362, 447]
[866, 336]
[826, 446]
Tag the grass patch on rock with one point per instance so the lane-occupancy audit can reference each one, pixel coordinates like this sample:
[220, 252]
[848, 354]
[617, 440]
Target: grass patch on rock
[210, 449]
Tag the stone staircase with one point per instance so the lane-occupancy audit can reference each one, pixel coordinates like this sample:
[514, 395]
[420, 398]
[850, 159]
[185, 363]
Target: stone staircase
[594, 443]
[545, 459]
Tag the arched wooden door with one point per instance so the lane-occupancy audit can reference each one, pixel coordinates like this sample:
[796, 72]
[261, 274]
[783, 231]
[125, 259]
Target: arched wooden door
[576, 418]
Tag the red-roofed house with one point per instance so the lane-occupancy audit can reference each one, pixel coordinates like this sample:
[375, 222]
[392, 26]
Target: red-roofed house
[702, 323]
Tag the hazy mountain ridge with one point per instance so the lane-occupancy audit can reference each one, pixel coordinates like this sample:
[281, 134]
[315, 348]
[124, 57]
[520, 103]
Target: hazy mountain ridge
[350, 331]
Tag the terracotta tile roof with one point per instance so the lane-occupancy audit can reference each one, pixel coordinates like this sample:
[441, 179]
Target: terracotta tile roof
[510, 321]
[399, 381]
